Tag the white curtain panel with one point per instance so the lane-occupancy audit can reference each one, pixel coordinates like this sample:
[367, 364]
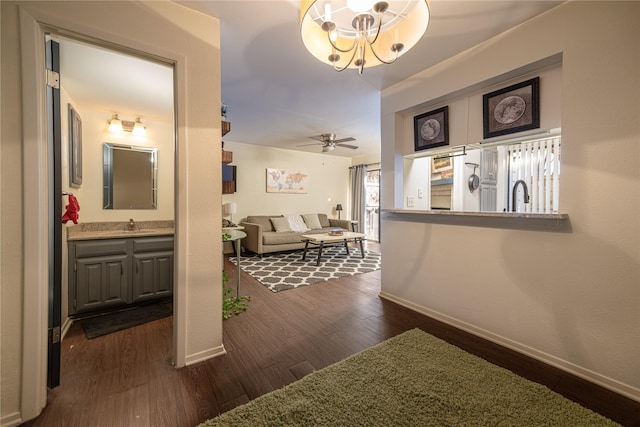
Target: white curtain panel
[358, 175]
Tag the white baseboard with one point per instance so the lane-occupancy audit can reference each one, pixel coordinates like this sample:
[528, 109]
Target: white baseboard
[65, 327]
[579, 371]
[11, 420]
[201, 356]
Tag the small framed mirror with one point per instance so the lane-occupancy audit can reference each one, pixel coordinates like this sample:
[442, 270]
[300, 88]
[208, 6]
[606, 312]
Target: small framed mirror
[129, 177]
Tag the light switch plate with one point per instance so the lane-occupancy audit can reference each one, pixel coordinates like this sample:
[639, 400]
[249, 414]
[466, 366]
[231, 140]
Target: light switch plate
[409, 201]
[419, 192]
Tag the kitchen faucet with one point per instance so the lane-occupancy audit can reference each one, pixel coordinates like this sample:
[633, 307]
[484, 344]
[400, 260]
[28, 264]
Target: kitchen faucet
[515, 192]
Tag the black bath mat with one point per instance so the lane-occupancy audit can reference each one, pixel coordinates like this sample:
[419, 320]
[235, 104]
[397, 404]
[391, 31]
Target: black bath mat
[105, 324]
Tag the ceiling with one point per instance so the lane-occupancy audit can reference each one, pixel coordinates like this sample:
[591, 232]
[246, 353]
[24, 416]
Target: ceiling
[276, 92]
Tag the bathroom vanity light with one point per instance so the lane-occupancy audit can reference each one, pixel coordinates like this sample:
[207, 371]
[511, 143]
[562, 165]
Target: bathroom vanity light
[120, 126]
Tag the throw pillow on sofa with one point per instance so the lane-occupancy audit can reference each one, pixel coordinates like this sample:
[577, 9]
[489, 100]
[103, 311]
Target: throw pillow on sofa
[296, 223]
[280, 224]
[312, 221]
[324, 220]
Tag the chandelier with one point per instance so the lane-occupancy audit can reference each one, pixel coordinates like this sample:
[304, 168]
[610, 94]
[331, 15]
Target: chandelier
[361, 33]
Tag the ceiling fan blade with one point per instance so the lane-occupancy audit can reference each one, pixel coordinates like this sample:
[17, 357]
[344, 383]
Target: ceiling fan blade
[321, 138]
[344, 140]
[313, 143]
[353, 147]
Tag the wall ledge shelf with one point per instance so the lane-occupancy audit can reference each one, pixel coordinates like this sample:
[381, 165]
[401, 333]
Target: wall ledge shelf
[226, 127]
[513, 220]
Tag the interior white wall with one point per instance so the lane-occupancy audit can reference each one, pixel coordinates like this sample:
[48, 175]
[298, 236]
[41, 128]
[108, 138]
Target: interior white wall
[328, 181]
[569, 298]
[417, 176]
[166, 30]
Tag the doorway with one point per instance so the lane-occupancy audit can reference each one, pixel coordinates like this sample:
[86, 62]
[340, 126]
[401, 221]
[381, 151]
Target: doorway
[96, 83]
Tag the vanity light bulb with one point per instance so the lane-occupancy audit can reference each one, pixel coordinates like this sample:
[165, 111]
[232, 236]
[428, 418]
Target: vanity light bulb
[138, 128]
[115, 125]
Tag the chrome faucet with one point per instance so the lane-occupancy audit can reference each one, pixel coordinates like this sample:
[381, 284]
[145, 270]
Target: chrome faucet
[132, 224]
[515, 192]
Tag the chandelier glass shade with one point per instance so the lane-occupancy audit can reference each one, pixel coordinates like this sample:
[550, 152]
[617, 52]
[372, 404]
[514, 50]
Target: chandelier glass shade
[361, 33]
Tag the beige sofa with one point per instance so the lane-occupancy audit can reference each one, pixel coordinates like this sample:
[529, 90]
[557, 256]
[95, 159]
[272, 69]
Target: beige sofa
[263, 237]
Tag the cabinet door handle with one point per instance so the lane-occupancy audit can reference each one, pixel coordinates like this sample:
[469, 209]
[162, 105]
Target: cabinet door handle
[121, 269]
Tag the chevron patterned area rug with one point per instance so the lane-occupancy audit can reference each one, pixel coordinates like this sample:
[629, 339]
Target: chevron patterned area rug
[287, 270]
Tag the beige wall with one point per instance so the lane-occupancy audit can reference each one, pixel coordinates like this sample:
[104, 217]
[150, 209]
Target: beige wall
[571, 299]
[328, 181]
[166, 30]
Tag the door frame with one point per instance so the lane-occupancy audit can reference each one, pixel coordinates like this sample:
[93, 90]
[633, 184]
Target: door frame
[198, 134]
[54, 139]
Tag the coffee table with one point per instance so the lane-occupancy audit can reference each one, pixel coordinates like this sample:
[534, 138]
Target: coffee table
[325, 238]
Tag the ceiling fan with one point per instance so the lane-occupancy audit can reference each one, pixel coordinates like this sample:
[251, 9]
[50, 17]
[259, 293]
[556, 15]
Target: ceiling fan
[329, 142]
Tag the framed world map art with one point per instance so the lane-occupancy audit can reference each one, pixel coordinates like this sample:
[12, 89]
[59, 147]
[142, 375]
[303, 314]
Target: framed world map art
[286, 181]
[431, 129]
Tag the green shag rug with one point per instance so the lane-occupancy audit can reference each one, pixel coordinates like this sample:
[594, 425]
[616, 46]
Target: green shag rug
[413, 379]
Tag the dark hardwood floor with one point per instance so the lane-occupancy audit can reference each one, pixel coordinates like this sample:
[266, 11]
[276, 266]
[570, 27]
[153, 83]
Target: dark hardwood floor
[126, 378]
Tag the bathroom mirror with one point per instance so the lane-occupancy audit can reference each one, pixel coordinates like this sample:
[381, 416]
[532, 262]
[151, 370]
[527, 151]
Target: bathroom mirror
[129, 177]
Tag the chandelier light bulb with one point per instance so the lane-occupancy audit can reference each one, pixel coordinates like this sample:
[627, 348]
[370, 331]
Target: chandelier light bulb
[360, 6]
[327, 12]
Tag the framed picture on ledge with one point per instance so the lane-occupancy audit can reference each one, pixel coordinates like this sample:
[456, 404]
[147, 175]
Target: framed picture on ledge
[431, 129]
[512, 109]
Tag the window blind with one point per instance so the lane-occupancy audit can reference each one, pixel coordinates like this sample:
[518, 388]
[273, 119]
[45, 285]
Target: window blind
[537, 163]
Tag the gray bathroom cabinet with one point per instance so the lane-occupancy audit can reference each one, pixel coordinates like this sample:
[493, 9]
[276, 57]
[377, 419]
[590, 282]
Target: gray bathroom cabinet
[152, 268]
[107, 273]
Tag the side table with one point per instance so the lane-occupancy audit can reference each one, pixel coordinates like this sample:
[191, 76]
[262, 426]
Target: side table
[236, 236]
